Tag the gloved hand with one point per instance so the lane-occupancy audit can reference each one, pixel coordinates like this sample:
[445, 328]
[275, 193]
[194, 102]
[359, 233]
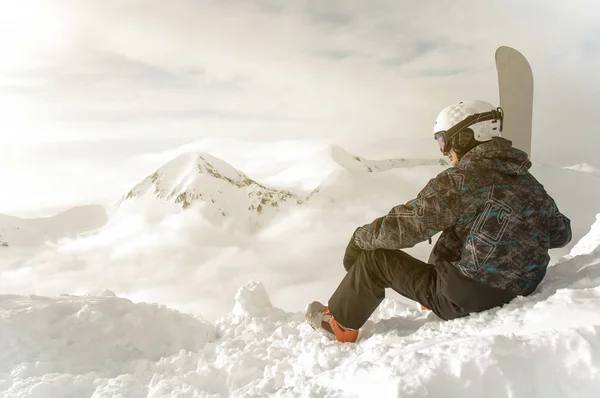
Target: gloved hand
[351, 254]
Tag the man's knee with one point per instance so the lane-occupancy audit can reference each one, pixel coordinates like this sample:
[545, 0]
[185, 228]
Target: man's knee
[391, 262]
[371, 259]
[377, 266]
[382, 257]
[366, 267]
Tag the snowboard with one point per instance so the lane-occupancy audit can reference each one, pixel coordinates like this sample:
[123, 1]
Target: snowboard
[515, 86]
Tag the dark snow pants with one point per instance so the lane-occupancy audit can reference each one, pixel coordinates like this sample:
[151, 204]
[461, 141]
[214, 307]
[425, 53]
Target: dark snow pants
[363, 288]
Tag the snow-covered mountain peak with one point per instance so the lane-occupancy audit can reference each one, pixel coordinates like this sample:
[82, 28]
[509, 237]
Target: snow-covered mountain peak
[198, 164]
[200, 178]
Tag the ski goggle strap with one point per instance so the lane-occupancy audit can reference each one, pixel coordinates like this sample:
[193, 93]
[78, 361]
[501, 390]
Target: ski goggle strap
[444, 138]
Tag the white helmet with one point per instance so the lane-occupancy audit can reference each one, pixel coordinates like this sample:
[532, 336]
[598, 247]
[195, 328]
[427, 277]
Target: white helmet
[453, 114]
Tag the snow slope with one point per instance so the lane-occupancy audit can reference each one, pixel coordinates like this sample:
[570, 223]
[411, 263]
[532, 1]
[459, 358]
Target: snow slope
[15, 231]
[588, 243]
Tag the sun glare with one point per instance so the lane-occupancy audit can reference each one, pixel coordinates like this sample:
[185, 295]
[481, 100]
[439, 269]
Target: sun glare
[27, 28]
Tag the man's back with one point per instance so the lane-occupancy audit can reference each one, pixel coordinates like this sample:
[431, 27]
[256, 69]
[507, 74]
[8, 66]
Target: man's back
[506, 221]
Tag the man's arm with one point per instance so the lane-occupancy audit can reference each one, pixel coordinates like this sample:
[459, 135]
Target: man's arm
[560, 229]
[433, 210]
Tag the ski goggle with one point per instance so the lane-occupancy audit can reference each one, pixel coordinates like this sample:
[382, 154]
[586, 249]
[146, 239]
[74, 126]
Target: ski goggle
[440, 137]
[444, 137]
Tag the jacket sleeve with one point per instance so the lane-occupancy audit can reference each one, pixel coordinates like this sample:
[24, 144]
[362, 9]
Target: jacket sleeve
[560, 229]
[433, 210]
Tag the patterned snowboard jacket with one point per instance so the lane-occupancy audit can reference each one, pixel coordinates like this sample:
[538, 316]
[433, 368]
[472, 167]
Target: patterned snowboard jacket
[498, 221]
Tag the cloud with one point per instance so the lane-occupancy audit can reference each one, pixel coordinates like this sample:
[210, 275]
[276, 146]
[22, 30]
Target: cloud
[128, 115]
[337, 54]
[98, 67]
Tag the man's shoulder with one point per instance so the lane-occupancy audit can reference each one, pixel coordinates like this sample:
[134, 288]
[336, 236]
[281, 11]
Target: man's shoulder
[452, 177]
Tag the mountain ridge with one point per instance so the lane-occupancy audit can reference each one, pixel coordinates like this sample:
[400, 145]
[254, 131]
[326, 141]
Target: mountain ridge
[17, 231]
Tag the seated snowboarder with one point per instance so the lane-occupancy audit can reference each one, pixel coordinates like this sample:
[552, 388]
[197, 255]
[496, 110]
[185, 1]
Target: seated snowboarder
[498, 224]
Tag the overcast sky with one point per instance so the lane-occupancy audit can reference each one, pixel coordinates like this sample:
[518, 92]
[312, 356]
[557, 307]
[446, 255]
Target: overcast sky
[368, 75]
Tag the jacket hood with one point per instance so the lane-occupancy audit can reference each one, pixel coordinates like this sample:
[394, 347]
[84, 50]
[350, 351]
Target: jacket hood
[498, 155]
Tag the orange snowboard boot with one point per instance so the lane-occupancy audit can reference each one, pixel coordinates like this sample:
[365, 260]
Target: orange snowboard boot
[319, 318]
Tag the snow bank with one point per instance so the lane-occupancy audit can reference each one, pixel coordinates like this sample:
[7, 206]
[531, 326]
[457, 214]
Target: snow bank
[70, 346]
[589, 242]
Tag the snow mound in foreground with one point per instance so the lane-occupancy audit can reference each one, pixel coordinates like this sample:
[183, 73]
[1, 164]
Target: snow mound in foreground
[101, 337]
